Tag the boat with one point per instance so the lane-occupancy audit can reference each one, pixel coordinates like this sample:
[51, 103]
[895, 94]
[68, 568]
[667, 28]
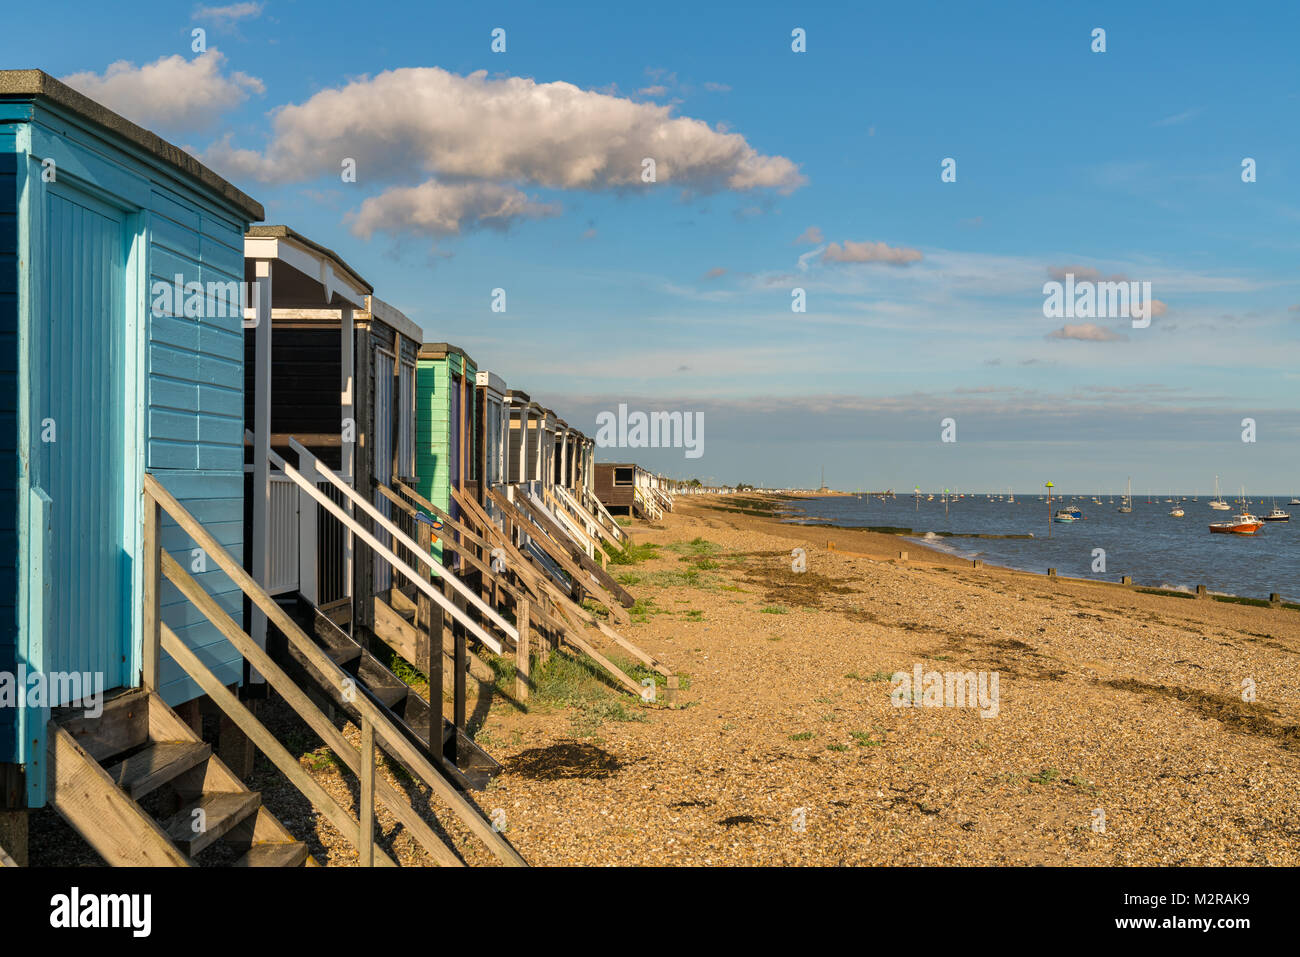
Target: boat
[1217, 503]
[1294, 501]
[1128, 499]
[1070, 513]
[1277, 515]
[1243, 523]
[1176, 512]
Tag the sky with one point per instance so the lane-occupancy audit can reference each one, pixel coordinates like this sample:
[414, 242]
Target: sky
[523, 170]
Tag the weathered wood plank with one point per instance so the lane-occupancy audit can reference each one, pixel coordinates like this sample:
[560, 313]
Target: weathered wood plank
[113, 824]
[298, 699]
[265, 741]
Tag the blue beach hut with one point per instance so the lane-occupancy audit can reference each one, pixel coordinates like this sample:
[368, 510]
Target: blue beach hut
[121, 353]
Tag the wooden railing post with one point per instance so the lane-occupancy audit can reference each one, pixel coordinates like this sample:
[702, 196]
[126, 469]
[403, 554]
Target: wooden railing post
[367, 817]
[428, 622]
[522, 668]
[152, 638]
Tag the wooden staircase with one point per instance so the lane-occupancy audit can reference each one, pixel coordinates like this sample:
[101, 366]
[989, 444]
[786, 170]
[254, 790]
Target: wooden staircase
[466, 765]
[101, 769]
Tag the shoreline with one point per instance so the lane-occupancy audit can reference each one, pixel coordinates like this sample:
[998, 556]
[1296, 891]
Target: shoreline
[917, 540]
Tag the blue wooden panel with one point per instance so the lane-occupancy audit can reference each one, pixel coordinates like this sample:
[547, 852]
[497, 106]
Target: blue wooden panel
[83, 294]
[8, 428]
[216, 500]
[85, 338]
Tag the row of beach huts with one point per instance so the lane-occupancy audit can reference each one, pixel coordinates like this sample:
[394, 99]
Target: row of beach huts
[236, 472]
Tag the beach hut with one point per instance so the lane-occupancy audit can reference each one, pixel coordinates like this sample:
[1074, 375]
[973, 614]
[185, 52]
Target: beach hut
[446, 453]
[387, 347]
[299, 387]
[120, 325]
[517, 405]
[548, 463]
[615, 486]
[493, 419]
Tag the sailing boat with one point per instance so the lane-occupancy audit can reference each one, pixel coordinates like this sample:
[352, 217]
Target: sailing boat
[1128, 499]
[1217, 503]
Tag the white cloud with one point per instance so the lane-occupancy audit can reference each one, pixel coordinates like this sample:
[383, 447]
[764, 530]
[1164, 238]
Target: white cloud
[509, 129]
[1086, 332]
[812, 234]
[440, 209]
[870, 252]
[172, 92]
[229, 14]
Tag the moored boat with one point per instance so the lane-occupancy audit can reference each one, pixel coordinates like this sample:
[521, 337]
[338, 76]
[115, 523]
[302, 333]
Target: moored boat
[1217, 503]
[1277, 515]
[1242, 524]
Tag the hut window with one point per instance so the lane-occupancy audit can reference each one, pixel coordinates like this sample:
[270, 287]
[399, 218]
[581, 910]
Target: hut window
[406, 419]
[623, 476]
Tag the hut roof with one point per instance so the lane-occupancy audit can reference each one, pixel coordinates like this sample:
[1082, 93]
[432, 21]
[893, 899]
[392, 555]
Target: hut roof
[394, 317]
[287, 232]
[437, 350]
[33, 84]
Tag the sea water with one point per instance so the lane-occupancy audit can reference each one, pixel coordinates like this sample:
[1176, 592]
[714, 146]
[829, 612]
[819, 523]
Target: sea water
[1150, 545]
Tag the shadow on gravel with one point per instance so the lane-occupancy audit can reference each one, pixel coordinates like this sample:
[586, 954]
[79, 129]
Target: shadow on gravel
[567, 759]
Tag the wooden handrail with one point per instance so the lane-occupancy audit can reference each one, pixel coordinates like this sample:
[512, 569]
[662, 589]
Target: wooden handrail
[267, 743]
[298, 700]
[392, 739]
[591, 519]
[385, 523]
[569, 610]
[389, 556]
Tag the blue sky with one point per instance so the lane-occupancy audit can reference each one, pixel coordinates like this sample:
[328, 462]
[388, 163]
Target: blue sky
[676, 295]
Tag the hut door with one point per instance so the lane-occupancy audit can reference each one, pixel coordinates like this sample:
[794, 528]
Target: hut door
[78, 435]
[383, 457]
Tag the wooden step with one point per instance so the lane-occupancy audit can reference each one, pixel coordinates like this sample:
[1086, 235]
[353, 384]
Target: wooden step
[111, 822]
[390, 695]
[148, 770]
[223, 810]
[274, 855]
[121, 725]
[342, 655]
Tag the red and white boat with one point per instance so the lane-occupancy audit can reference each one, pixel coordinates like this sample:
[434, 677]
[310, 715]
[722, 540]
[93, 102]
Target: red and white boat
[1242, 524]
